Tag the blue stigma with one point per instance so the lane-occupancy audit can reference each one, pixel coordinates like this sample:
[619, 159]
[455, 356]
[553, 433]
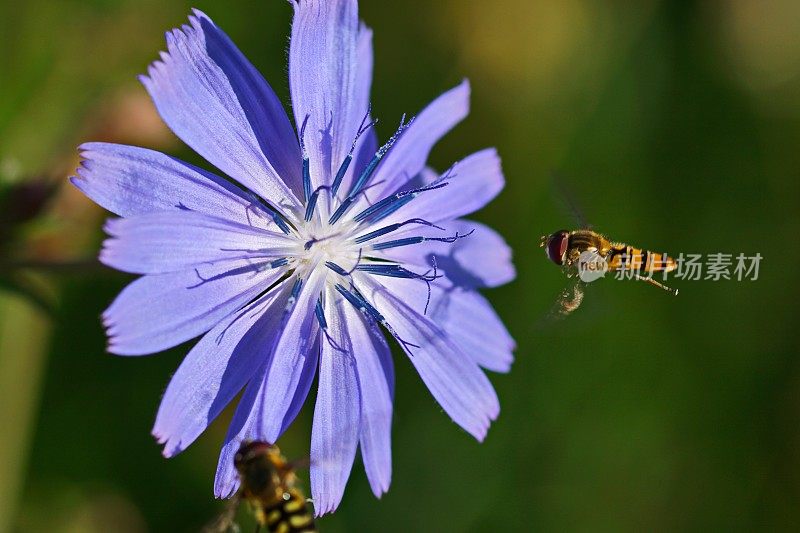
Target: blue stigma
[342, 272]
[394, 271]
[323, 325]
[277, 218]
[392, 227]
[359, 302]
[366, 174]
[337, 181]
[382, 209]
[306, 162]
[340, 211]
[254, 268]
[314, 241]
[416, 240]
[373, 163]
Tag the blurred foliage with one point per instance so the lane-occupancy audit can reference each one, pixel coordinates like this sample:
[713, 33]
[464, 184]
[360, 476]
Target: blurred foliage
[676, 122]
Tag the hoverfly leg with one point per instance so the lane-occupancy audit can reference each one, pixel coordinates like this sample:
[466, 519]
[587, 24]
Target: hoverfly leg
[225, 523]
[653, 282]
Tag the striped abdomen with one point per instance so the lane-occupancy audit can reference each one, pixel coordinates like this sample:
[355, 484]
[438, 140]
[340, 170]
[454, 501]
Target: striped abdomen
[626, 257]
[289, 516]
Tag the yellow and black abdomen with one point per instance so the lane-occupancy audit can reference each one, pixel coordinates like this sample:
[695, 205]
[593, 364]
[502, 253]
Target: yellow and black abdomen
[290, 515]
[637, 260]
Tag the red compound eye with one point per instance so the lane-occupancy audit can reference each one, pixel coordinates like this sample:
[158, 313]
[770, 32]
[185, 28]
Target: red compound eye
[557, 246]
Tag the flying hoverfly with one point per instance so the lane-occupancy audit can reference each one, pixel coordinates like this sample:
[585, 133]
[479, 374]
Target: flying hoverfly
[568, 249]
[269, 484]
[572, 250]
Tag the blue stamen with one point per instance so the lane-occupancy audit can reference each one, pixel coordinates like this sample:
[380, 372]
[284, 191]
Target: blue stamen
[336, 268]
[306, 162]
[362, 180]
[298, 284]
[283, 261]
[355, 300]
[393, 271]
[280, 222]
[416, 240]
[276, 217]
[349, 158]
[373, 163]
[342, 272]
[360, 303]
[312, 202]
[323, 325]
[320, 315]
[392, 227]
[397, 243]
[260, 267]
[392, 203]
[341, 210]
[306, 178]
[337, 181]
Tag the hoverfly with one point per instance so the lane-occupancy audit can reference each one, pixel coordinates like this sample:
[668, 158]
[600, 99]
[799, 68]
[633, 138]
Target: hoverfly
[269, 484]
[568, 248]
[575, 250]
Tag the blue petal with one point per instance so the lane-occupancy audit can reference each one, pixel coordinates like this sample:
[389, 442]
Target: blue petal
[464, 316]
[171, 241]
[159, 311]
[453, 377]
[216, 369]
[376, 383]
[324, 81]
[337, 413]
[217, 103]
[250, 420]
[290, 353]
[367, 144]
[481, 259]
[409, 155]
[469, 319]
[130, 181]
[471, 184]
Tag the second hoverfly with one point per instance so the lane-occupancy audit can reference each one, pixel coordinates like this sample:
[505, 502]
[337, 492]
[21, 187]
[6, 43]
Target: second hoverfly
[269, 484]
[573, 250]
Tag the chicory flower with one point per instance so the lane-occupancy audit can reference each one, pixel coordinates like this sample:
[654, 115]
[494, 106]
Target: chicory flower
[317, 245]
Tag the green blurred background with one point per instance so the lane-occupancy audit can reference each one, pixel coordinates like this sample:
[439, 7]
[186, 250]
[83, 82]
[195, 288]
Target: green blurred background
[678, 127]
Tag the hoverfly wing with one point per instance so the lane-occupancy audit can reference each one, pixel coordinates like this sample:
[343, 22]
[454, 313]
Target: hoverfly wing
[569, 299]
[564, 192]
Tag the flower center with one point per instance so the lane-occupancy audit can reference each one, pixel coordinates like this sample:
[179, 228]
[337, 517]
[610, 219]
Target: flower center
[322, 243]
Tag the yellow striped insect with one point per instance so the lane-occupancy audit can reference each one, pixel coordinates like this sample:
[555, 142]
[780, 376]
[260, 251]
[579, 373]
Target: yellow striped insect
[269, 484]
[570, 250]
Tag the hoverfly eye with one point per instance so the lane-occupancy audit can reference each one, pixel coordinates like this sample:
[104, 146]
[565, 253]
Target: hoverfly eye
[557, 247]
